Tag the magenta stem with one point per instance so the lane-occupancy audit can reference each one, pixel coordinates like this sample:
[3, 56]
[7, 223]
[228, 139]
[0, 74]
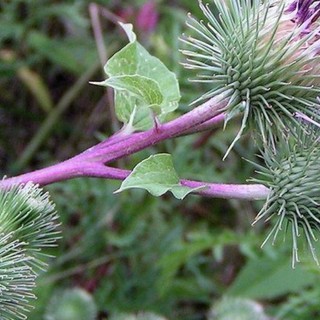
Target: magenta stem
[213, 123]
[118, 146]
[207, 125]
[67, 170]
[91, 163]
[105, 152]
[214, 190]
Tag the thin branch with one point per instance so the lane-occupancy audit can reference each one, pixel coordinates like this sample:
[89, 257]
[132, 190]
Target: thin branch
[213, 123]
[105, 153]
[69, 169]
[111, 150]
[213, 190]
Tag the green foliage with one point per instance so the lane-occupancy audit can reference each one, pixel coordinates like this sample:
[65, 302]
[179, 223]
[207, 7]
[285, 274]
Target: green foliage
[141, 81]
[256, 62]
[45, 46]
[183, 251]
[140, 236]
[269, 277]
[302, 306]
[132, 251]
[156, 175]
[70, 54]
[26, 29]
[28, 224]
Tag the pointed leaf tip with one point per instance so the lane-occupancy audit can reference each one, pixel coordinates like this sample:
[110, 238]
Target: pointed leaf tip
[140, 80]
[128, 29]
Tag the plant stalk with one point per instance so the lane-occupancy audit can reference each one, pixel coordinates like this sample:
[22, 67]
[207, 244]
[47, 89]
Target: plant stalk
[91, 163]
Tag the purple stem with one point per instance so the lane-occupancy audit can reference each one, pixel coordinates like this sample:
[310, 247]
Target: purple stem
[105, 152]
[209, 124]
[77, 167]
[90, 163]
[65, 170]
[118, 146]
[213, 123]
[115, 147]
[215, 190]
[69, 169]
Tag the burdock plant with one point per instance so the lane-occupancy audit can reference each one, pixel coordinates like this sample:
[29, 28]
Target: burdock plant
[292, 174]
[28, 224]
[17, 278]
[261, 61]
[264, 54]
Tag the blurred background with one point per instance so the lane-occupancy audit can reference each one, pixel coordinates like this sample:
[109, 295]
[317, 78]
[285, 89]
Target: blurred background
[130, 255]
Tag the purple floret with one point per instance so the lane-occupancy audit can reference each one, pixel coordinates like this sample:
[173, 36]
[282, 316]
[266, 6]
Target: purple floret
[306, 11]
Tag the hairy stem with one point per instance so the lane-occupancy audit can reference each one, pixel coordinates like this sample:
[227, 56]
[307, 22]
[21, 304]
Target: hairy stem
[214, 190]
[212, 123]
[70, 169]
[105, 152]
[91, 162]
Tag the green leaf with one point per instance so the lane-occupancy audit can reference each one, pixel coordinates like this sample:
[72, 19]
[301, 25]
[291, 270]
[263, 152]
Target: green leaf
[144, 82]
[185, 249]
[141, 87]
[269, 278]
[140, 120]
[156, 175]
[172, 261]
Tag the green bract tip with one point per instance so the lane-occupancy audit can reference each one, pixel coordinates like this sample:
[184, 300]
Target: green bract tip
[293, 176]
[268, 61]
[28, 223]
[17, 279]
[27, 213]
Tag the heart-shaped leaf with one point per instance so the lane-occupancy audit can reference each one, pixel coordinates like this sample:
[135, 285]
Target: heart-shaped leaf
[141, 82]
[157, 175]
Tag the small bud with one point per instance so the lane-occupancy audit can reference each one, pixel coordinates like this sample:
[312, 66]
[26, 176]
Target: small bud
[17, 279]
[264, 53]
[28, 223]
[293, 176]
[27, 213]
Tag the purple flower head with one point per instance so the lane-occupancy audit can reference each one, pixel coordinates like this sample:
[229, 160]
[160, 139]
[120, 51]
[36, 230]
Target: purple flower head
[305, 12]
